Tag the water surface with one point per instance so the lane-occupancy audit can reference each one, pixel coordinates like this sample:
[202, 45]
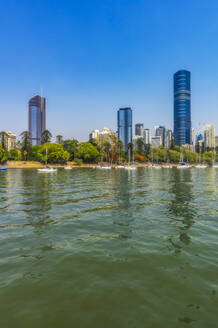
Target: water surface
[102, 249]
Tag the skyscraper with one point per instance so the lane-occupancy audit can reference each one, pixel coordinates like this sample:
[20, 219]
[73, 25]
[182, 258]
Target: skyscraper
[182, 107]
[160, 132]
[37, 118]
[209, 137]
[124, 122]
[139, 129]
[147, 139]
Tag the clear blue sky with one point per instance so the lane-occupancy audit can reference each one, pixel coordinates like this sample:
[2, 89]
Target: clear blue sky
[91, 57]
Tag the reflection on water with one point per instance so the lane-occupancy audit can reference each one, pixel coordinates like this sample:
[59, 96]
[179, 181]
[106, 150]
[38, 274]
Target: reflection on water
[181, 208]
[118, 248]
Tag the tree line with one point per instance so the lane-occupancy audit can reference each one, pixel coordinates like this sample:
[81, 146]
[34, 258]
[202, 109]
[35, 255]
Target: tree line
[104, 148]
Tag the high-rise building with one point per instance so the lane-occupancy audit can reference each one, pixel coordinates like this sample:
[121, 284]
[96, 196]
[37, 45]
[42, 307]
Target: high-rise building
[156, 141]
[160, 132]
[182, 107]
[168, 138]
[139, 129]
[37, 118]
[147, 139]
[209, 137]
[192, 136]
[124, 122]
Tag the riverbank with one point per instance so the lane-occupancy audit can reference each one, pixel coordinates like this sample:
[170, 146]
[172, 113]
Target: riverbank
[36, 165]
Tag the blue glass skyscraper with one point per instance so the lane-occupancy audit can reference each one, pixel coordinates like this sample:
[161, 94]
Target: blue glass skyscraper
[124, 120]
[182, 107]
[37, 118]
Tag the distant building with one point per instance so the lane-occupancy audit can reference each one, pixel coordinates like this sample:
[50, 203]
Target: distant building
[59, 139]
[199, 137]
[168, 138]
[12, 140]
[9, 140]
[156, 141]
[95, 134]
[165, 134]
[199, 146]
[216, 142]
[147, 138]
[139, 129]
[135, 139]
[37, 118]
[182, 107]
[209, 136]
[192, 136]
[124, 122]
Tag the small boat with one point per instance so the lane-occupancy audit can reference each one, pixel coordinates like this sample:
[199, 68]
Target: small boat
[215, 166]
[102, 167]
[201, 166]
[183, 166]
[3, 168]
[167, 166]
[47, 169]
[68, 167]
[156, 167]
[120, 167]
[130, 167]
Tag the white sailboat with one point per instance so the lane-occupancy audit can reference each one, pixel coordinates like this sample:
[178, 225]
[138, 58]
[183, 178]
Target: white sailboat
[47, 168]
[129, 166]
[182, 165]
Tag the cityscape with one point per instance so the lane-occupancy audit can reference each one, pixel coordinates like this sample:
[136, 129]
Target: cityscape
[109, 164]
[183, 133]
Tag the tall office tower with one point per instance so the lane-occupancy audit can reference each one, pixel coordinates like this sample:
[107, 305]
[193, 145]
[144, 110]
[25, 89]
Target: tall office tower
[160, 132]
[168, 138]
[182, 107]
[147, 139]
[37, 118]
[139, 129]
[209, 137]
[192, 136]
[124, 122]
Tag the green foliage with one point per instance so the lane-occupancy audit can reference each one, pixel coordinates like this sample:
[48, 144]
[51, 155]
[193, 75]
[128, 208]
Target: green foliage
[14, 155]
[55, 153]
[71, 146]
[140, 146]
[87, 152]
[35, 153]
[174, 156]
[3, 156]
[209, 157]
[78, 161]
[26, 144]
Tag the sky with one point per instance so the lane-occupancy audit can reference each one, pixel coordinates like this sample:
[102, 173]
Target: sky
[91, 57]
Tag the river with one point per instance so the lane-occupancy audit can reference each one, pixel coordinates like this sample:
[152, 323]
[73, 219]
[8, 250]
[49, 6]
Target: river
[109, 249]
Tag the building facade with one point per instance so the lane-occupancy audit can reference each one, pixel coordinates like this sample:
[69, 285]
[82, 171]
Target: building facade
[139, 130]
[156, 141]
[147, 138]
[209, 137]
[37, 118]
[182, 107]
[124, 122]
[8, 140]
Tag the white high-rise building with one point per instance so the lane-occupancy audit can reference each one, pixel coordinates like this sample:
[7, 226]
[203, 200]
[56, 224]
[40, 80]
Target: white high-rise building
[147, 139]
[156, 141]
[209, 136]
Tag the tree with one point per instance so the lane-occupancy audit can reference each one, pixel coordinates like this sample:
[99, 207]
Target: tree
[87, 152]
[26, 143]
[35, 153]
[140, 145]
[3, 156]
[46, 136]
[55, 153]
[71, 146]
[4, 136]
[14, 155]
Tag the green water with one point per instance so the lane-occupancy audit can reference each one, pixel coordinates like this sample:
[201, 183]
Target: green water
[109, 249]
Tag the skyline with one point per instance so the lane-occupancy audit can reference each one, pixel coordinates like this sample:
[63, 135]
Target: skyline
[90, 61]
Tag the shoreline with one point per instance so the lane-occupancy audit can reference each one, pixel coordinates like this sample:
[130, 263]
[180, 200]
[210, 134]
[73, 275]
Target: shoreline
[37, 165]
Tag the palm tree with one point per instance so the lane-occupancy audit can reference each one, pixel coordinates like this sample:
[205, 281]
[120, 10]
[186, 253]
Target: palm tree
[130, 150]
[46, 136]
[26, 143]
